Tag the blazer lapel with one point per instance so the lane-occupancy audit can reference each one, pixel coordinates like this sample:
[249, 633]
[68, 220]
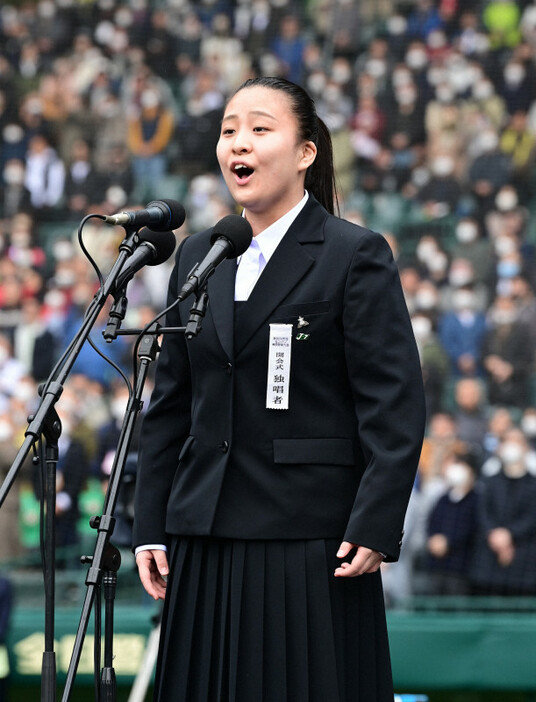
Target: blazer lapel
[287, 266]
[220, 288]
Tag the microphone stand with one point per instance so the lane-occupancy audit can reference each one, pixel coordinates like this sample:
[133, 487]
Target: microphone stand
[106, 560]
[46, 422]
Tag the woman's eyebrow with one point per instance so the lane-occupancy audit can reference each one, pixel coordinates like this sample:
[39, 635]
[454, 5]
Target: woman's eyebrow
[260, 113]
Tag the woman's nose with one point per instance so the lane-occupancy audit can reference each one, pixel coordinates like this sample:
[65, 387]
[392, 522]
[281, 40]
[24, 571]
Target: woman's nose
[241, 143]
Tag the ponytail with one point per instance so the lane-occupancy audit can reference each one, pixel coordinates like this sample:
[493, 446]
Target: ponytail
[320, 176]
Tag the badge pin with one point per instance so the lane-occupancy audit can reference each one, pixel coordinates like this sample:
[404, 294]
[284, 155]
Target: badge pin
[302, 337]
[302, 322]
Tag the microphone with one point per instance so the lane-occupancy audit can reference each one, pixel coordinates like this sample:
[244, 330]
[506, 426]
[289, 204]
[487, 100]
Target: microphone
[159, 215]
[155, 248]
[231, 236]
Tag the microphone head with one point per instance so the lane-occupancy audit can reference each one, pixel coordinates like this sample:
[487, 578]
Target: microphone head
[163, 243]
[237, 230]
[173, 211]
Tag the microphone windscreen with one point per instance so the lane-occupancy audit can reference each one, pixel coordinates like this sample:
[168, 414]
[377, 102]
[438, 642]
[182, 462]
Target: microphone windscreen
[237, 230]
[174, 209]
[163, 242]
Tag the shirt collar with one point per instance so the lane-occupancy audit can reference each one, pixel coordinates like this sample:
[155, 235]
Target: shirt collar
[269, 239]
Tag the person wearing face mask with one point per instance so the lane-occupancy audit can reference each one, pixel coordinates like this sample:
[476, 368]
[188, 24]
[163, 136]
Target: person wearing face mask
[434, 361]
[473, 247]
[504, 560]
[488, 170]
[14, 195]
[517, 86]
[451, 528]
[462, 330]
[525, 298]
[441, 194]
[507, 355]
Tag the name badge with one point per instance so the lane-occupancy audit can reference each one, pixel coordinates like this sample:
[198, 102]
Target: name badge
[279, 350]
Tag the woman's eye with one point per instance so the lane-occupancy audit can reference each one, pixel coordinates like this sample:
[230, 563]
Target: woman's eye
[260, 129]
[225, 132]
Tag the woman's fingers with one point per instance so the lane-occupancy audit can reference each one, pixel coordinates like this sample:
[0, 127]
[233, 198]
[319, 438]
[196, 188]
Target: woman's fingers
[152, 569]
[365, 560]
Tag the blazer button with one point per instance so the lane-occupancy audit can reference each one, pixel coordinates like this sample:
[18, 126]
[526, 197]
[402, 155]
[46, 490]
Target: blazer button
[224, 446]
[229, 368]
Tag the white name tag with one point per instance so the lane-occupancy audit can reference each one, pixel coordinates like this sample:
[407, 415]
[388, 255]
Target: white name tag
[279, 350]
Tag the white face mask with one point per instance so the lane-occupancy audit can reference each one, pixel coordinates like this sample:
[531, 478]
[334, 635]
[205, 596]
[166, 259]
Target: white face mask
[425, 300]
[456, 475]
[506, 200]
[463, 300]
[458, 277]
[422, 328]
[528, 424]
[6, 430]
[511, 452]
[466, 232]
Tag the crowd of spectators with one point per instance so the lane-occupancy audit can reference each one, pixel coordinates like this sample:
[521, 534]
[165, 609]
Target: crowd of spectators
[105, 105]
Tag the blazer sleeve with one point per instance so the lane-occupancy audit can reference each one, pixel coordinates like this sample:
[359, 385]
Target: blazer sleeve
[164, 430]
[385, 376]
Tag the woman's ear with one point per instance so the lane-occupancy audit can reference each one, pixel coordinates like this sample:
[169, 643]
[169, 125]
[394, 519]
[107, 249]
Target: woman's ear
[308, 155]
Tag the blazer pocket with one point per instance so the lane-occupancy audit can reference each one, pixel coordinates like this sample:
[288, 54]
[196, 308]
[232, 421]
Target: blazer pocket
[339, 452]
[303, 309]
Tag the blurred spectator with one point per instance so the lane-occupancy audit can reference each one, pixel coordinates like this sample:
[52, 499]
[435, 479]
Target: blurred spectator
[72, 471]
[441, 194]
[423, 19]
[500, 422]
[526, 306]
[289, 47]
[518, 142]
[451, 529]
[35, 345]
[45, 175]
[489, 170]
[473, 247]
[108, 434]
[14, 195]
[501, 19]
[82, 184]
[504, 562]
[434, 361]
[517, 85]
[10, 544]
[6, 604]
[150, 129]
[528, 426]
[462, 332]
[470, 415]
[507, 356]
[11, 372]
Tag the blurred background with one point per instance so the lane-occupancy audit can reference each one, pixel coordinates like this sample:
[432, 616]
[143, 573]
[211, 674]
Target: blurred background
[106, 105]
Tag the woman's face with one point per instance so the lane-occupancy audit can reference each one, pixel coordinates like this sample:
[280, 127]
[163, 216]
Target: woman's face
[259, 154]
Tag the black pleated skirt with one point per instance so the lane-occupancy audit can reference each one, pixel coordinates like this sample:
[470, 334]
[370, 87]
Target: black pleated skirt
[266, 621]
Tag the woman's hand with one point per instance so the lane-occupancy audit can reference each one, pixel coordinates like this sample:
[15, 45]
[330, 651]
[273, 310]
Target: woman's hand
[152, 569]
[365, 561]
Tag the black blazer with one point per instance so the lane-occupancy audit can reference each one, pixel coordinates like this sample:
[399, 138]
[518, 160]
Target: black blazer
[341, 461]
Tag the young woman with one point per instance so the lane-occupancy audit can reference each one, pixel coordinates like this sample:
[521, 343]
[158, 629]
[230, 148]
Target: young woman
[281, 444]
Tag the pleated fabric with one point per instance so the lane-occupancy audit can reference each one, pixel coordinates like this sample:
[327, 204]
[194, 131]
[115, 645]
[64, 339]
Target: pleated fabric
[266, 621]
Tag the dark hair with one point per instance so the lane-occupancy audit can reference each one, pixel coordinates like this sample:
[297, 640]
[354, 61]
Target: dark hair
[320, 176]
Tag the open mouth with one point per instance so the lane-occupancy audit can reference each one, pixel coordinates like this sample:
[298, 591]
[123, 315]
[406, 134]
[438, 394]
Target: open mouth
[242, 172]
